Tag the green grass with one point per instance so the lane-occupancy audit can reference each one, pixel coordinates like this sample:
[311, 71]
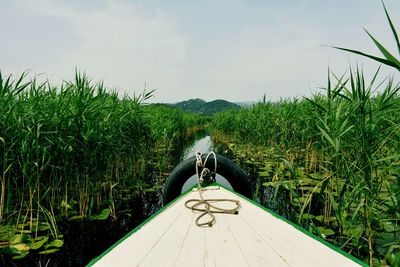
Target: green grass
[71, 152]
[388, 59]
[333, 159]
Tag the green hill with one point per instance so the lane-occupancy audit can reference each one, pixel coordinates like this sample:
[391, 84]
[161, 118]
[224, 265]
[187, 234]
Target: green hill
[206, 108]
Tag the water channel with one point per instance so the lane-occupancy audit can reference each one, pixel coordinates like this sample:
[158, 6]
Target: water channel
[84, 240]
[204, 146]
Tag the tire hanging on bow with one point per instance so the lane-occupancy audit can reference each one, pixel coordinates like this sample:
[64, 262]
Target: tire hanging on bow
[187, 168]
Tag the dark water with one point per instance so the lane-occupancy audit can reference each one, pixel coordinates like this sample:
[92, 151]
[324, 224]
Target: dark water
[266, 196]
[204, 146]
[261, 194]
[85, 240]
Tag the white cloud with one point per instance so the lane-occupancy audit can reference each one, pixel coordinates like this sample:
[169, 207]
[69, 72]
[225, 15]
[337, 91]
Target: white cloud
[122, 43]
[237, 51]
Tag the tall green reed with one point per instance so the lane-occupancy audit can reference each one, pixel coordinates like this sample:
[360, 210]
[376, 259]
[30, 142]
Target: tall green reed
[338, 158]
[64, 146]
[388, 59]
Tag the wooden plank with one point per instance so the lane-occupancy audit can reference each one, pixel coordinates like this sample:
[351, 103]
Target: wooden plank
[167, 249]
[192, 250]
[215, 246]
[252, 238]
[131, 251]
[221, 247]
[255, 249]
[297, 248]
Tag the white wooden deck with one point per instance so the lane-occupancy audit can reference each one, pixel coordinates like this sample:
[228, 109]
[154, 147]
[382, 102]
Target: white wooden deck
[254, 237]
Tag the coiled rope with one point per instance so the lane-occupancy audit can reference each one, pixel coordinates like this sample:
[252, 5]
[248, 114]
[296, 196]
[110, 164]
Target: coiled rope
[207, 206]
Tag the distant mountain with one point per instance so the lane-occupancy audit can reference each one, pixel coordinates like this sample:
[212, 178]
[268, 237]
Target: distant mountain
[206, 108]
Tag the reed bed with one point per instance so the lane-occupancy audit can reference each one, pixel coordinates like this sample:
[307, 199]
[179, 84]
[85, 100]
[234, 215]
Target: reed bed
[331, 162]
[72, 152]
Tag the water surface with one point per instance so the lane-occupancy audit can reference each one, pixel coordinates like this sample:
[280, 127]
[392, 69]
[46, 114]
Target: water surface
[204, 146]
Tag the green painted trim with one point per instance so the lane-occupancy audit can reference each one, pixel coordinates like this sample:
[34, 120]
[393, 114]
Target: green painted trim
[93, 261]
[304, 231]
[301, 229]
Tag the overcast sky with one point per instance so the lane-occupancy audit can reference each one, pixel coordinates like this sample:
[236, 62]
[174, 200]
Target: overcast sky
[237, 50]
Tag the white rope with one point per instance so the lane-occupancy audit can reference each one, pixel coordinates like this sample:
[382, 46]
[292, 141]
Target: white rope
[208, 208]
[200, 164]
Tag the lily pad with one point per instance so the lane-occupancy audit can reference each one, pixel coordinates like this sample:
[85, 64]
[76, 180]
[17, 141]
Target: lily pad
[306, 216]
[39, 242]
[75, 217]
[19, 239]
[264, 173]
[17, 249]
[21, 247]
[49, 251]
[326, 231]
[21, 256]
[4, 244]
[103, 215]
[57, 243]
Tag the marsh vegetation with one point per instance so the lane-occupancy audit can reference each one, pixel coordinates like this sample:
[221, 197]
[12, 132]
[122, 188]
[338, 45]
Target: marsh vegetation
[80, 165]
[331, 162]
[79, 153]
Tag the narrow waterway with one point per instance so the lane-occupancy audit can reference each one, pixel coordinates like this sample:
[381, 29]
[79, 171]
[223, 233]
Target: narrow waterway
[86, 239]
[204, 146]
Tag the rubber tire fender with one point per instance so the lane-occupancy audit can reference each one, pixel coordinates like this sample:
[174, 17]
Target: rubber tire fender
[187, 168]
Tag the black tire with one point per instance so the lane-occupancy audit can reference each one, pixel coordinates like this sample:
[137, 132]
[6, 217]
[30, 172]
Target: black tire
[186, 169]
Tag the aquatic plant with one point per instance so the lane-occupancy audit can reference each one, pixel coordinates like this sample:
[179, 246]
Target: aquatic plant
[74, 152]
[388, 59]
[330, 160]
